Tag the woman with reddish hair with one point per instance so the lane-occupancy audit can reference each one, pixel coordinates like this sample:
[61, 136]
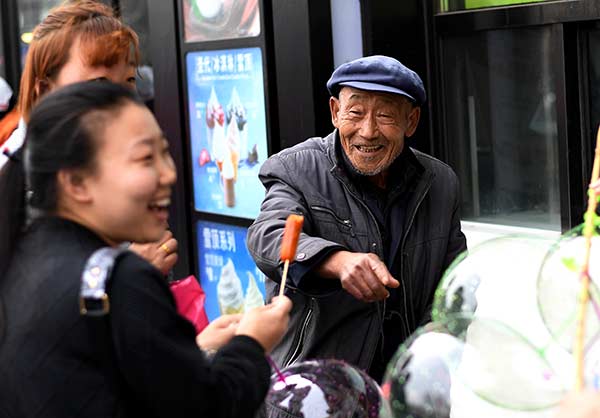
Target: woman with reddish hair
[82, 41]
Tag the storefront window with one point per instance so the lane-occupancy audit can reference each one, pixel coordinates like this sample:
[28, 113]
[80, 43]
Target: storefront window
[454, 5]
[594, 83]
[501, 125]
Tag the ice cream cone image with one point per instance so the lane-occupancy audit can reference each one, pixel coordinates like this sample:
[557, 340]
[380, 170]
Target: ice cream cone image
[215, 127]
[233, 146]
[229, 291]
[253, 297]
[236, 113]
[228, 178]
[219, 149]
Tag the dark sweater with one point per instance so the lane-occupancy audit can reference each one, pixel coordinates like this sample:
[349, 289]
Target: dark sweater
[139, 360]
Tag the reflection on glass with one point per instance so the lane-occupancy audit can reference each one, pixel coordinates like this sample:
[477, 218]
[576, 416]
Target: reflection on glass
[501, 126]
[31, 12]
[135, 14]
[209, 20]
[453, 5]
[2, 58]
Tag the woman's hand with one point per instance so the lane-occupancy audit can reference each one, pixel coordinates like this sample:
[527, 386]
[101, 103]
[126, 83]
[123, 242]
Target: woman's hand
[584, 404]
[267, 324]
[218, 332]
[162, 254]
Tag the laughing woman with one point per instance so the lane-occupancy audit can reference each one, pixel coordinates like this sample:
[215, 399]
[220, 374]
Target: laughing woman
[98, 173]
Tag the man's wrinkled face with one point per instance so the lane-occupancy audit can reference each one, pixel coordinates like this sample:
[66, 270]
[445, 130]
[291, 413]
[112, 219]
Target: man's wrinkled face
[372, 127]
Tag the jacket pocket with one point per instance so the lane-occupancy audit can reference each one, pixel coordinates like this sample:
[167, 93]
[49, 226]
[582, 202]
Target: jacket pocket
[327, 215]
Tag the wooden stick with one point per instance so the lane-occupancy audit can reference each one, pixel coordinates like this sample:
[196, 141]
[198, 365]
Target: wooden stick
[584, 295]
[286, 265]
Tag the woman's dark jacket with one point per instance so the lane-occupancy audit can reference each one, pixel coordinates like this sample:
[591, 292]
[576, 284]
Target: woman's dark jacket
[326, 321]
[140, 360]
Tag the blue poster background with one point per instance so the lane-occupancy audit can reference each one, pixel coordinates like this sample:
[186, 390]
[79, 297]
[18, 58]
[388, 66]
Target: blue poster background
[228, 130]
[218, 244]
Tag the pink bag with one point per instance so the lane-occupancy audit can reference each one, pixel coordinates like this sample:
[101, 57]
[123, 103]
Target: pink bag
[189, 298]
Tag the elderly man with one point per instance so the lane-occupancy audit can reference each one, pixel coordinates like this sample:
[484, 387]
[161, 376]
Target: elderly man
[381, 222]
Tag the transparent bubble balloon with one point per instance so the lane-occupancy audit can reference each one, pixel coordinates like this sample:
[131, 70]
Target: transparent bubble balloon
[449, 366]
[418, 381]
[325, 389]
[591, 366]
[497, 279]
[559, 287]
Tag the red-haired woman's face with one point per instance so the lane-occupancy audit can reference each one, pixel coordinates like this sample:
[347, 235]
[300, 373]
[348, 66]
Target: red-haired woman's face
[76, 69]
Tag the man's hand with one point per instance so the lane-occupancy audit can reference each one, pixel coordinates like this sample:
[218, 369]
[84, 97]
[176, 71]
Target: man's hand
[362, 275]
[162, 254]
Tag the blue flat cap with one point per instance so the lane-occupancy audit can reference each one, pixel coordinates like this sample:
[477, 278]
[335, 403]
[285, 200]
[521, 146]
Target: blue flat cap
[378, 73]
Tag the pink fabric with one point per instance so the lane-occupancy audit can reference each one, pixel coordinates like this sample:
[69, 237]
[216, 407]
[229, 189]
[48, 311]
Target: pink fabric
[189, 298]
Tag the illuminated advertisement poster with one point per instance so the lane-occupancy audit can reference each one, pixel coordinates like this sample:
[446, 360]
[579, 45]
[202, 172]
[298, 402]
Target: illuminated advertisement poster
[228, 275]
[228, 130]
[210, 20]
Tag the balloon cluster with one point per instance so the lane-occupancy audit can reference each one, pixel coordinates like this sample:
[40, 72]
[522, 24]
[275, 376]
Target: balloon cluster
[501, 340]
[500, 344]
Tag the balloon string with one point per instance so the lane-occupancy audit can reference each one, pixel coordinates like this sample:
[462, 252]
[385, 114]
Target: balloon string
[280, 375]
[584, 296]
[594, 297]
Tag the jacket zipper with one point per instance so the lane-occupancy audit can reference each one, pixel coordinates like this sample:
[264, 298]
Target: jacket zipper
[298, 348]
[382, 304]
[345, 222]
[405, 234]
[408, 226]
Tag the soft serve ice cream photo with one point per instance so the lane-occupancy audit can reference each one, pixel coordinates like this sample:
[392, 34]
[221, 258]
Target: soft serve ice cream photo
[253, 298]
[227, 273]
[229, 291]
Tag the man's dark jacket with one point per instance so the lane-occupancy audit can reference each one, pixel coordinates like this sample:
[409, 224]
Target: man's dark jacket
[326, 321]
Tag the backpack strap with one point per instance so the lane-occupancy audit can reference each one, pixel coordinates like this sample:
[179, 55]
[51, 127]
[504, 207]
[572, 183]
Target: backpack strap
[93, 299]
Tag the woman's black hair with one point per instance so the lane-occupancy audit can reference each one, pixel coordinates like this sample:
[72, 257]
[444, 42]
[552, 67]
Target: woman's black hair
[60, 135]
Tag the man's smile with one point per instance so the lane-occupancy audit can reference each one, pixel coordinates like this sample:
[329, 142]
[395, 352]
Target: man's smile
[368, 149]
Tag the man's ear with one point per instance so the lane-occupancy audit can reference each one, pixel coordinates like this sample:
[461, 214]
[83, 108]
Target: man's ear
[413, 121]
[334, 108]
[72, 186]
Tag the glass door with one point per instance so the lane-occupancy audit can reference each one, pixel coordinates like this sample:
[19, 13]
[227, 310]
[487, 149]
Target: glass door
[501, 125]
